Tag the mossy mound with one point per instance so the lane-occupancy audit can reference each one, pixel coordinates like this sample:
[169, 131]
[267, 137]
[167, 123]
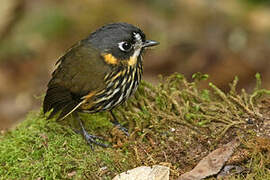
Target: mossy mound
[174, 124]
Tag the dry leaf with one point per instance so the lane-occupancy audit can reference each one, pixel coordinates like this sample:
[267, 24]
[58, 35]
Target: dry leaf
[212, 163]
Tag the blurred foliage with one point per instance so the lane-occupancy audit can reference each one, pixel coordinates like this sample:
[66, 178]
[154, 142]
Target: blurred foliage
[47, 24]
[50, 23]
[257, 2]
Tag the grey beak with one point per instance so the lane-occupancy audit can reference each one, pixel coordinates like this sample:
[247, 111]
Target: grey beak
[149, 43]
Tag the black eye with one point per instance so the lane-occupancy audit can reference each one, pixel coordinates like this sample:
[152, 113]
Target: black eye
[124, 46]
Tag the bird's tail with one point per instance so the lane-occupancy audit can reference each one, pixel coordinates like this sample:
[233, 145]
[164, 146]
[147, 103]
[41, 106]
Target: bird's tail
[60, 100]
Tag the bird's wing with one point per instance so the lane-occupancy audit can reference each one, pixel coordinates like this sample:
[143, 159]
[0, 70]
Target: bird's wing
[81, 71]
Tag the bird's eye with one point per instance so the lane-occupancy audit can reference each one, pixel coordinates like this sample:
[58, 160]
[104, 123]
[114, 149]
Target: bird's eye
[124, 46]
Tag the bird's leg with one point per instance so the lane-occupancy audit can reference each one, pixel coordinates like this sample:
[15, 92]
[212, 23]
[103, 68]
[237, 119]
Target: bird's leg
[118, 125]
[88, 137]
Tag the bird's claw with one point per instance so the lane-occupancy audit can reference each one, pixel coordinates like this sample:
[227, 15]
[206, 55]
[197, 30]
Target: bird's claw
[91, 139]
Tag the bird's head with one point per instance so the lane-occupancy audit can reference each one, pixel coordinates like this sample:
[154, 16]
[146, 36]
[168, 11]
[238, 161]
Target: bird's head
[120, 43]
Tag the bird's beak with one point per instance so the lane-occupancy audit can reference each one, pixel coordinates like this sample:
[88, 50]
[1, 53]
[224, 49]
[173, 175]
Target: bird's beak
[149, 43]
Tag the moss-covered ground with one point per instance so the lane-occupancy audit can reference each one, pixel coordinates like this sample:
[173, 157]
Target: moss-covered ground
[175, 124]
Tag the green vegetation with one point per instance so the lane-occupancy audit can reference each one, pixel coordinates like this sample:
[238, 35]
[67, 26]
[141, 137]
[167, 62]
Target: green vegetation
[175, 124]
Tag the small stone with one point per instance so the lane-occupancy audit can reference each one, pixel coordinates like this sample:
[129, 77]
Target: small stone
[157, 172]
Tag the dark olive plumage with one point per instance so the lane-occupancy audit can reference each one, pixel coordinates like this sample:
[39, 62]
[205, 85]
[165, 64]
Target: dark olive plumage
[99, 72]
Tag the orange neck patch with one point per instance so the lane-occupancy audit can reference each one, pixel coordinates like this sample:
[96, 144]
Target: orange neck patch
[110, 59]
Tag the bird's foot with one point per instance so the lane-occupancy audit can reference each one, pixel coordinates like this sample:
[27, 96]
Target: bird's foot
[92, 139]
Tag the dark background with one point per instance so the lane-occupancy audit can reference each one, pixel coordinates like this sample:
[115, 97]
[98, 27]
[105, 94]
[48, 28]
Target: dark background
[220, 38]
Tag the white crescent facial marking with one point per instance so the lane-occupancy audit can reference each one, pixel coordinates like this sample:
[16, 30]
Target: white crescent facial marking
[138, 37]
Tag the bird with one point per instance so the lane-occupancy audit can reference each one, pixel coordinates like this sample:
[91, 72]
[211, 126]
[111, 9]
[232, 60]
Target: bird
[97, 74]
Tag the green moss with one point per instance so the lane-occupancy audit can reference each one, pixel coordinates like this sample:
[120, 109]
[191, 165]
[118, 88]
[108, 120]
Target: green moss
[42, 148]
[174, 123]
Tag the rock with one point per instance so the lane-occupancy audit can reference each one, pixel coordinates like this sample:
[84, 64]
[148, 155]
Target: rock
[145, 173]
